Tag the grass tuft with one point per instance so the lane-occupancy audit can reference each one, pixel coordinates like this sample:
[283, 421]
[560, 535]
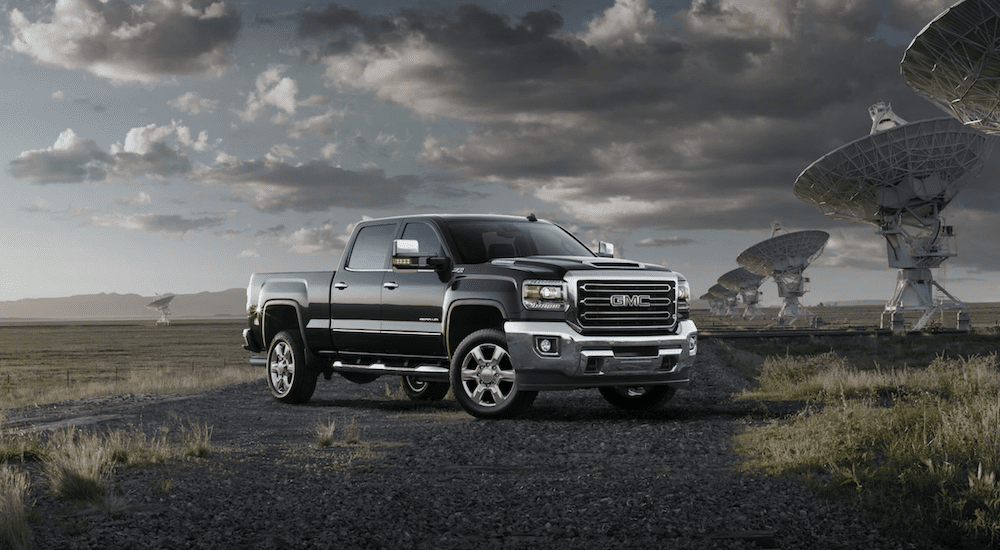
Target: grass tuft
[77, 465]
[324, 432]
[197, 440]
[351, 433]
[918, 446]
[14, 487]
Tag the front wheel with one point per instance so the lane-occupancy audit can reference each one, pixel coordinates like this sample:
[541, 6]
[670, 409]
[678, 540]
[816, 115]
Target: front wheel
[421, 390]
[483, 378]
[638, 398]
[288, 376]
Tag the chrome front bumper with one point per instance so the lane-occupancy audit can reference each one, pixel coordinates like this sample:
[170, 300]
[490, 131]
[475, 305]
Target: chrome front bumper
[571, 360]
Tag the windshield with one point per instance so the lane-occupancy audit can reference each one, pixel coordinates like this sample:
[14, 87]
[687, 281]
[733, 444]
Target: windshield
[479, 241]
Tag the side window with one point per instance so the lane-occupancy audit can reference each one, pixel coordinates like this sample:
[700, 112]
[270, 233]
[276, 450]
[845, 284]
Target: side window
[372, 247]
[428, 241]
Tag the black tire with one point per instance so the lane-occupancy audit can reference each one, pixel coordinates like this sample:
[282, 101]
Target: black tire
[638, 398]
[421, 390]
[289, 375]
[483, 378]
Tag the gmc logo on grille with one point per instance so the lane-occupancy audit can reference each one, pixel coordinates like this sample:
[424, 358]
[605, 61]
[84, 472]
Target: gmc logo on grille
[635, 300]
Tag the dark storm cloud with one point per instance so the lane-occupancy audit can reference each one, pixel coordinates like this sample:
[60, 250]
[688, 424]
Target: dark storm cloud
[273, 186]
[76, 160]
[161, 161]
[700, 119]
[124, 43]
[70, 160]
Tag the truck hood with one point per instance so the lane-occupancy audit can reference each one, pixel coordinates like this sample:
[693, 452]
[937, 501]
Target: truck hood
[557, 266]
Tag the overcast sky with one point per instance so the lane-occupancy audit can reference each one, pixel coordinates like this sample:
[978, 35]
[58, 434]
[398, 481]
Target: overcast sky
[180, 145]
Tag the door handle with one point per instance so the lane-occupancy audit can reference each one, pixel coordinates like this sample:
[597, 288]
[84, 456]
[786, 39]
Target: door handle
[390, 285]
[340, 286]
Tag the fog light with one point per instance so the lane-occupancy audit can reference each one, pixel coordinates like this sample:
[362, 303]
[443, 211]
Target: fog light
[547, 345]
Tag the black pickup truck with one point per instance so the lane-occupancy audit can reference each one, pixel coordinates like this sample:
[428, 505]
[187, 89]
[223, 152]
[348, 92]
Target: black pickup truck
[495, 308]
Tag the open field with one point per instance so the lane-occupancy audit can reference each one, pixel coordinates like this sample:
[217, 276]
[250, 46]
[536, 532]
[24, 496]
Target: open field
[895, 431]
[982, 316]
[43, 362]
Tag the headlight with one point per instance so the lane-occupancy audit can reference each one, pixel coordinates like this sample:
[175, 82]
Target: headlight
[683, 289]
[549, 295]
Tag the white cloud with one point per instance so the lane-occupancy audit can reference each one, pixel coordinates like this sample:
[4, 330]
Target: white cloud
[125, 43]
[170, 224]
[142, 199]
[330, 150]
[280, 151]
[272, 89]
[318, 126]
[70, 160]
[318, 240]
[193, 103]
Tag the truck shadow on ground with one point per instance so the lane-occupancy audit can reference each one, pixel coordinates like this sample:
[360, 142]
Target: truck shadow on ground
[593, 411]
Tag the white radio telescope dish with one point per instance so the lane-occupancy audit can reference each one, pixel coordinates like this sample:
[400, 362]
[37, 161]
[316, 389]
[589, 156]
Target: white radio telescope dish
[785, 257]
[716, 305]
[954, 62]
[163, 306]
[899, 178]
[725, 300]
[747, 284]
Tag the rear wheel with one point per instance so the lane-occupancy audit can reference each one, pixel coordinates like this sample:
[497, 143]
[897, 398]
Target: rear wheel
[638, 398]
[289, 377]
[420, 390]
[483, 378]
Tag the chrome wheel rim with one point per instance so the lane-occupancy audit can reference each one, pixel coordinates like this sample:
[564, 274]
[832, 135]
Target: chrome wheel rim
[281, 369]
[414, 385]
[488, 376]
[632, 391]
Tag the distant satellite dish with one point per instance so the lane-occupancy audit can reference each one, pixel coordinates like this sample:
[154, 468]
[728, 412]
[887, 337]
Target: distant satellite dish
[747, 284]
[954, 62]
[725, 300]
[714, 303]
[785, 257]
[163, 306]
[899, 179]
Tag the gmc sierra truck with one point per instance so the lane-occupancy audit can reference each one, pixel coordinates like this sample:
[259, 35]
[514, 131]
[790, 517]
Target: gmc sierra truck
[494, 308]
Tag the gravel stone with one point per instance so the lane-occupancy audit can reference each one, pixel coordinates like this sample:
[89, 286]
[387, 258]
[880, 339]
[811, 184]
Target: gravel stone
[572, 472]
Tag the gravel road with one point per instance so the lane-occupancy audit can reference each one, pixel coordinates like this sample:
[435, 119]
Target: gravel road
[570, 473]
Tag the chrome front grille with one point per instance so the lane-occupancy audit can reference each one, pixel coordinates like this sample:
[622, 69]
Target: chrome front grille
[630, 307]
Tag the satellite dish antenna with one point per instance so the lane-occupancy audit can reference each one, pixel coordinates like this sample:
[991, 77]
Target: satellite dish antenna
[899, 179]
[747, 284]
[726, 299]
[954, 63]
[163, 306]
[715, 304]
[785, 257]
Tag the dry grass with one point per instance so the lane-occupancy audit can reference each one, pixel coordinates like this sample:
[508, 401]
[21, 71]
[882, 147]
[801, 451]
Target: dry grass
[77, 466]
[919, 447]
[52, 362]
[14, 488]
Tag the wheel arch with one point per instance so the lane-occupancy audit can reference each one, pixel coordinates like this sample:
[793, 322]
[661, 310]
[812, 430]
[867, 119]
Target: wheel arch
[282, 315]
[468, 316]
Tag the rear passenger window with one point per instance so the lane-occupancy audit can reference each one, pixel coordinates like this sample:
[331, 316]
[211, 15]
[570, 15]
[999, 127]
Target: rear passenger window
[372, 247]
[428, 241]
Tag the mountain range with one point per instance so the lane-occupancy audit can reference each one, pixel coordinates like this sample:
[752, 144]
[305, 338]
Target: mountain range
[226, 303]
